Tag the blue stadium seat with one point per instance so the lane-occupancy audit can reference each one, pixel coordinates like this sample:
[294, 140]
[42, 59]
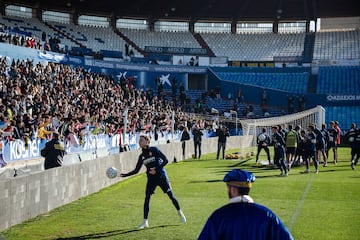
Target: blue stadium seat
[338, 80]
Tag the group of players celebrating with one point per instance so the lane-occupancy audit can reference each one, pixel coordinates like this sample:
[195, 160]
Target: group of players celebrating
[296, 146]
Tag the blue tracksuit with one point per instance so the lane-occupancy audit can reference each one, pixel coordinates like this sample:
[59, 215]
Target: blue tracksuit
[279, 149]
[241, 220]
[152, 157]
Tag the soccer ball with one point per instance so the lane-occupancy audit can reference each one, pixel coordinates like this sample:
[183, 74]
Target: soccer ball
[351, 139]
[111, 172]
[262, 137]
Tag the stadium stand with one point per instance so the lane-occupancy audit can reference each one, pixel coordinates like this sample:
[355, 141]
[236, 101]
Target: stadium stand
[345, 115]
[338, 80]
[289, 82]
[242, 47]
[95, 38]
[255, 47]
[292, 80]
[71, 36]
[332, 45]
[160, 38]
[32, 27]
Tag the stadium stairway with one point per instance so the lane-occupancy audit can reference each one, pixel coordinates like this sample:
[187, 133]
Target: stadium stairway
[130, 42]
[203, 44]
[312, 84]
[308, 47]
[64, 34]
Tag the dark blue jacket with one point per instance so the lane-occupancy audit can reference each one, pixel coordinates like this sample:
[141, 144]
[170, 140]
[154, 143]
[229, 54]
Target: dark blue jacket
[248, 221]
[151, 157]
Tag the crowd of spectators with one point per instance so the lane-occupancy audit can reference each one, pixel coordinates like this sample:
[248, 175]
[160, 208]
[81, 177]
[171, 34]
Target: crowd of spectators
[37, 99]
[20, 38]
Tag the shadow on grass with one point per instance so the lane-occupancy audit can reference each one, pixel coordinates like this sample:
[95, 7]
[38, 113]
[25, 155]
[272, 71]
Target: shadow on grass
[207, 181]
[112, 233]
[198, 160]
[236, 164]
[241, 163]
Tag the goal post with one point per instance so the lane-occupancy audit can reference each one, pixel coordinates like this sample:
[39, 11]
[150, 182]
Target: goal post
[252, 127]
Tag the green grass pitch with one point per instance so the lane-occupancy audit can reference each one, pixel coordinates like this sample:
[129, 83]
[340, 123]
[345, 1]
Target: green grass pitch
[322, 206]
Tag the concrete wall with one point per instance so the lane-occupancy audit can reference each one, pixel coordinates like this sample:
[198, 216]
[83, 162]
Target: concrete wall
[27, 196]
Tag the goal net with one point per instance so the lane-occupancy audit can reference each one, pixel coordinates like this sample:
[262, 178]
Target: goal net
[252, 127]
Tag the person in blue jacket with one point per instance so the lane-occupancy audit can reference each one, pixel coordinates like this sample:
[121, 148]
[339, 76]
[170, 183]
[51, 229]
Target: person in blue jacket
[311, 150]
[241, 218]
[279, 150]
[154, 161]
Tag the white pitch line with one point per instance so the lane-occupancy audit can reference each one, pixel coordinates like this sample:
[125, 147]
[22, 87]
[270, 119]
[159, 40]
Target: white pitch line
[301, 202]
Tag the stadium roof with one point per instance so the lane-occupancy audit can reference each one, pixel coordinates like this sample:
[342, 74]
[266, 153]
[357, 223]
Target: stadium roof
[194, 10]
